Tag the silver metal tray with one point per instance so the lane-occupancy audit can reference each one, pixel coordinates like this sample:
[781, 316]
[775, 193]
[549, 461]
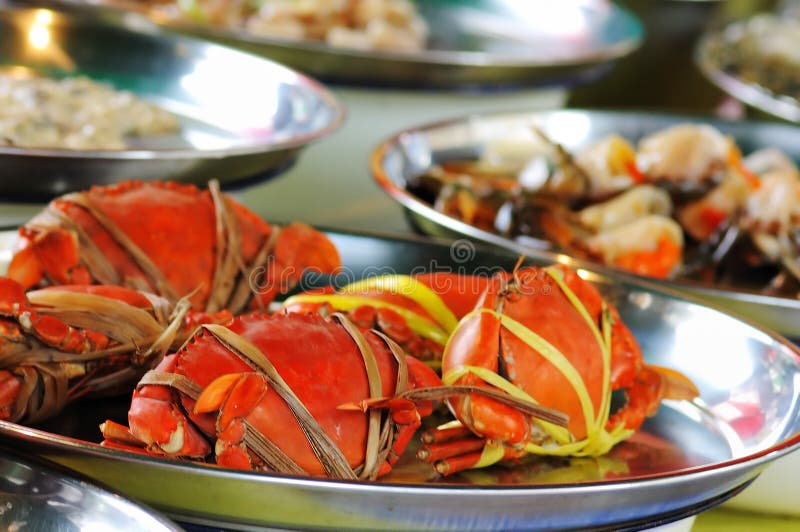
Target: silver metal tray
[39, 496]
[479, 42]
[241, 116]
[719, 42]
[685, 459]
[410, 153]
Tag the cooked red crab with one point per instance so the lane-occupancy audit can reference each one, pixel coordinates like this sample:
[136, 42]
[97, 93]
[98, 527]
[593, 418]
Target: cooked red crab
[60, 343]
[296, 393]
[171, 239]
[548, 337]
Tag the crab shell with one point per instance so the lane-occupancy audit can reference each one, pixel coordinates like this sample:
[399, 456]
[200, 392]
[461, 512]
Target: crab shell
[548, 336]
[171, 239]
[317, 359]
[418, 311]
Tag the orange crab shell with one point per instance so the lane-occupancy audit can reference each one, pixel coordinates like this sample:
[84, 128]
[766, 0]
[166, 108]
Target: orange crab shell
[174, 225]
[542, 306]
[458, 293]
[316, 358]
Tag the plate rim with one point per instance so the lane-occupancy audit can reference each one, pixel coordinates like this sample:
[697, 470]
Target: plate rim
[67, 477]
[432, 57]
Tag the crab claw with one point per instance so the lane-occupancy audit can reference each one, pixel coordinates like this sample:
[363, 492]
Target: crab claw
[299, 248]
[156, 419]
[234, 395]
[215, 393]
[650, 386]
[53, 254]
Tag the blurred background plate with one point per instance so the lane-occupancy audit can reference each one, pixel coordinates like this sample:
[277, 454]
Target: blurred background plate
[688, 457]
[401, 158]
[35, 495]
[757, 61]
[242, 117]
[472, 42]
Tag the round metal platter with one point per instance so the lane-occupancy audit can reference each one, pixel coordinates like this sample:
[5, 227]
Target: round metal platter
[715, 46]
[241, 116]
[475, 42]
[686, 458]
[398, 160]
[38, 496]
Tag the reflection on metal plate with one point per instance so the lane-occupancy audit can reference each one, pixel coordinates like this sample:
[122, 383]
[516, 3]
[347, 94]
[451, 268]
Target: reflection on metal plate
[754, 60]
[37, 496]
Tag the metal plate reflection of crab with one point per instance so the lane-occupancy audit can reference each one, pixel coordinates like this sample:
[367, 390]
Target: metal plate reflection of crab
[687, 456]
[697, 204]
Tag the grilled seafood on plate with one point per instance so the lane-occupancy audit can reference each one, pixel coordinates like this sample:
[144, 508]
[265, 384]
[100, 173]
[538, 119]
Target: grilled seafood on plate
[418, 312]
[171, 239]
[684, 203]
[271, 393]
[62, 342]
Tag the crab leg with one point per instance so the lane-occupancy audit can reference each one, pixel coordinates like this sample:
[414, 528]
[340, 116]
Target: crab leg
[61, 343]
[650, 386]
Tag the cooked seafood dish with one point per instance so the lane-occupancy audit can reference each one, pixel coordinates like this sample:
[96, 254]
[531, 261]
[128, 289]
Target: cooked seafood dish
[75, 114]
[762, 51]
[389, 25]
[683, 203]
[95, 304]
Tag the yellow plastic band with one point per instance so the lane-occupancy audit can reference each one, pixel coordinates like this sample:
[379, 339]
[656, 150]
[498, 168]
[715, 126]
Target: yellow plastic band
[451, 376]
[559, 434]
[603, 338]
[557, 359]
[420, 325]
[412, 289]
[491, 454]
[605, 405]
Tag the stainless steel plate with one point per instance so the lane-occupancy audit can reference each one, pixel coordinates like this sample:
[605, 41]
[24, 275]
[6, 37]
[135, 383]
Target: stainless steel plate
[687, 457]
[242, 116]
[38, 496]
[408, 154]
[476, 42]
[718, 59]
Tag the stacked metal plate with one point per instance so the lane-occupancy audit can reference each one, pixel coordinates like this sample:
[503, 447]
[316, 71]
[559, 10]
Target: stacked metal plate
[240, 116]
